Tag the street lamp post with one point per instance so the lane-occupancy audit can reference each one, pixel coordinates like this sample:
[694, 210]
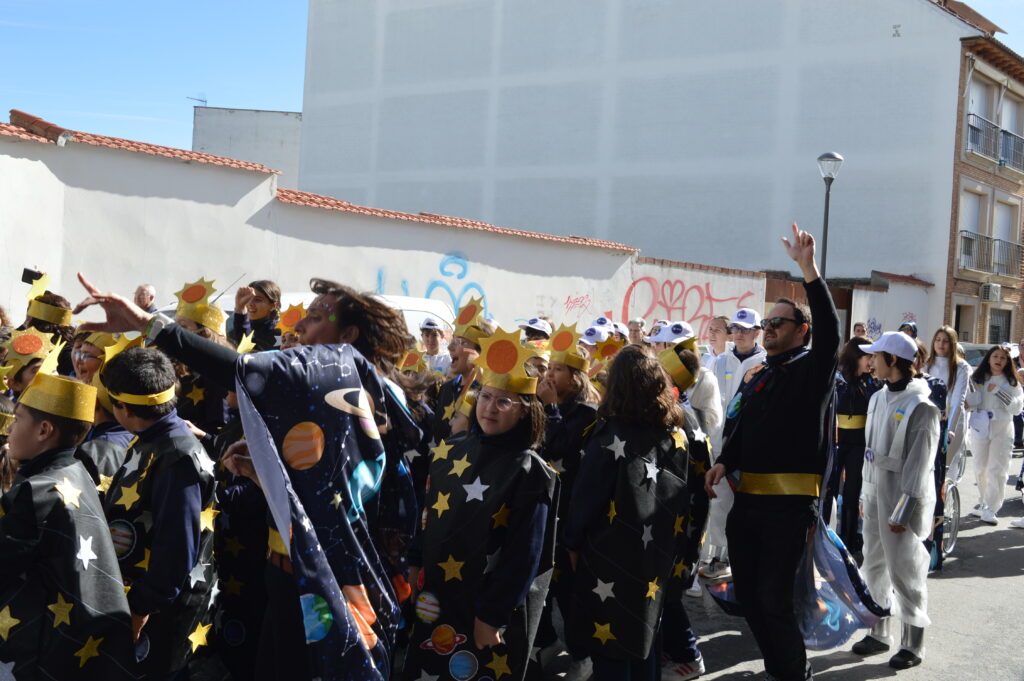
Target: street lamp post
[829, 164]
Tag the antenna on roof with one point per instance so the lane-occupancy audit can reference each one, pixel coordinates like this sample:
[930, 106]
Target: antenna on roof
[201, 98]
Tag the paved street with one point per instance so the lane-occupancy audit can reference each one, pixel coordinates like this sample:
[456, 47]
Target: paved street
[976, 604]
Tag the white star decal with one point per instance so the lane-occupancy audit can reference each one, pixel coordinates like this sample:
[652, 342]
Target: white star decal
[604, 590]
[411, 454]
[476, 490]
[307, 524]
[85, 552]
[426, 677]
[648, 535]
[617, 447]
[146, 518]
[7, 671]
[213, 593]
[492, 561]
[652, 470]
[132, 464]
[205, 462]
[557, 465]
[198, 574]
[533, 653]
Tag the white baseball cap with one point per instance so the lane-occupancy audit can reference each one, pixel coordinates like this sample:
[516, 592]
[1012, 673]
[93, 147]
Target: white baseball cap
[621, 328]
[537, 324]
[746, 318]
[431, 323]
[602, 321]
[595, 334]
[895, 343]
[672, 332]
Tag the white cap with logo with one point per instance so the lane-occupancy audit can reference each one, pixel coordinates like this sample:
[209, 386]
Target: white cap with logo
[537, 324]
[596, 334]
[895, 343]
[746, 318]
[431, 323]
[672, 332]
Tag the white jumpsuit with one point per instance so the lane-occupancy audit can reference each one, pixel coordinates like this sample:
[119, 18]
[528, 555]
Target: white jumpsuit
[992, 406]
[955, 418]
[896, 563]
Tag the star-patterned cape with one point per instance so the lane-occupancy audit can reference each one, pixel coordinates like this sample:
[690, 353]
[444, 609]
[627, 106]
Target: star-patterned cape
[487, 551]
[311, 418]
[63, 610]
[631, 532]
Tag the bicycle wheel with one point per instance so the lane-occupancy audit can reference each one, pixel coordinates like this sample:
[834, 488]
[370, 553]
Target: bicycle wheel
[951, 520]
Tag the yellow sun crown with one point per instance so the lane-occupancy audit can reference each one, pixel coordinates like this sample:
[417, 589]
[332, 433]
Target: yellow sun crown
[196, 293]
[564, 347]
[290, 318]
[25, 346]
[467, 322]
[412, 360]
[503, 359]
[607, 349]
[671, 362]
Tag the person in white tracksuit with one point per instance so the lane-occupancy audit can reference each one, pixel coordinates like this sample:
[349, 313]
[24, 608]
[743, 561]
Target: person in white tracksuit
[730, 369]
[993, 400]
[718, 342]
[897, 498]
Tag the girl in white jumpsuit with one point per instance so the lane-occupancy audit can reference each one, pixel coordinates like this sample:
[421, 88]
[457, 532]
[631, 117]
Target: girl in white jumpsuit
[995, 398]
[897, 498]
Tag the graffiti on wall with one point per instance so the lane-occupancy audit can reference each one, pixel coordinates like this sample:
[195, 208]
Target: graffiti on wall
[674, 299]
[451, 287]
[874, 328]
[908, 317]
[579, 305]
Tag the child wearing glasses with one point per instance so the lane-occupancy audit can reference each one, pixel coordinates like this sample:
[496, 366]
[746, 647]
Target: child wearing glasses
[627, 534]
[487, 536]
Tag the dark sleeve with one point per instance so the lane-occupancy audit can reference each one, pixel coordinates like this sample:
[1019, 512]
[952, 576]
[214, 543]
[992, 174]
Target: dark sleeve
[598, 473]
[731, 450]
[214, 362]
[240, 326]
[242, 498]
[506, 587]
[177, 504]
[20, 532]
[825, 336]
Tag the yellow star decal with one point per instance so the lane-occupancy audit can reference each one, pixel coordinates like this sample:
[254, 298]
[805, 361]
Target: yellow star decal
[61, 611]
[233, 546]
[678, 568]
[7, 622]
[452, 568]
[449, 412]
[336, 500]
[144, 563]
[196, 394]
[105, 481]
[128, 496]
[459, 466]
[498, 665]
[603, 632]
[501, 517]
[441, 450]
[441, 505]
[206, 519]
[198, 636]
[88, 651]
[611, 512]
[246, 344]
[652, 589]
[678, 527]
[233, 586]
[68, 493]
[679, 437]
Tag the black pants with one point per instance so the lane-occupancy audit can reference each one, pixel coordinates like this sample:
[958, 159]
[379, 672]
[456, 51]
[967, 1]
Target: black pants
[765, 548]
[283, 653]
[679, 641]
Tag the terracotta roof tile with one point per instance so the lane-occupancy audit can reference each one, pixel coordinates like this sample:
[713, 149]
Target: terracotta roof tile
[329, 203]
[29, 127]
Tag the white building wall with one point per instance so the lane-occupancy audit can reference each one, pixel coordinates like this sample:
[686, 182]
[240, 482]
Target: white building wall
[128, 218]
[690, 129]
[268, 137]
[885, 310]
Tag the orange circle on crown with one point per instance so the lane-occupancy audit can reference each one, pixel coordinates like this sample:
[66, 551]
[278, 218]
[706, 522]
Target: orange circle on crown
[193, 293]
[609, 351]
[27, 345]
[502, 356]
[561, 341]
[292, 316]
[466, 314]
[411, 359]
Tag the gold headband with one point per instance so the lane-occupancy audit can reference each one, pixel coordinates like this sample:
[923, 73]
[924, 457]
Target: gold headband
[60, 397]
[513, 384]
[571, 358]
[49, 313]
[681, 376]
[144, 400]
[5, 423]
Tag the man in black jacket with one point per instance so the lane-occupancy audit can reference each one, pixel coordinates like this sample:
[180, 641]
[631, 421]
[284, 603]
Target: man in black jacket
[776, 440]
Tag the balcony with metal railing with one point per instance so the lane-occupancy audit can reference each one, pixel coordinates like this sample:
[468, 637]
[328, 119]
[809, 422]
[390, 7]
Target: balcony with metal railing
[988, 139]
[982, 253]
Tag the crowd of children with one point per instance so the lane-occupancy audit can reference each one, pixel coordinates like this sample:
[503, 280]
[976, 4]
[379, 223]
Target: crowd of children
[315, 493]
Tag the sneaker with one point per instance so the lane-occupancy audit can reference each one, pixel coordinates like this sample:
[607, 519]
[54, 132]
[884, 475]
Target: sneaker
[696, 590]
[987, 516]
[904, 659]
[869, 645]
[977, 510]
[1019, 522]
[716, 569]
[681, 671]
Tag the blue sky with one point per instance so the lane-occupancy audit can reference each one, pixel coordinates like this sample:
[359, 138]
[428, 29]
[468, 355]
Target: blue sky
[126, 68]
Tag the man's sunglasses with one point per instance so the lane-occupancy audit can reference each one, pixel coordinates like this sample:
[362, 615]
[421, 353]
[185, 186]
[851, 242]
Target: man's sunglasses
[776, 322]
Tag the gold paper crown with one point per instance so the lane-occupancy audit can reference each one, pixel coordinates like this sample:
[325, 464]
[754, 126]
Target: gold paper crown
[196, 293]
[109, 352]
[466, 401]
[25, 346]
[669, 358]
[538, 348]
[467, 322]
[101, 340]
[60, 396]
[607, 349]
[565, 349]
[503, 360]
[412, 360]
[60, 316]
[210, 316]
[39, 287]
[290, 317]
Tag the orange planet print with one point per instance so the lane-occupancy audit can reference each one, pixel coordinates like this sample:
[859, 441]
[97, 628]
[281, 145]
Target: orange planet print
[27, 344]
[359, 607]
[443, 640]
[502, 356]
[193, 293]
[303, 445]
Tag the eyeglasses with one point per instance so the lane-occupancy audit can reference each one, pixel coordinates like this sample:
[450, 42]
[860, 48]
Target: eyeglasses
[741, 329]
[79, 356]
[500, 403]
[776, 322]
